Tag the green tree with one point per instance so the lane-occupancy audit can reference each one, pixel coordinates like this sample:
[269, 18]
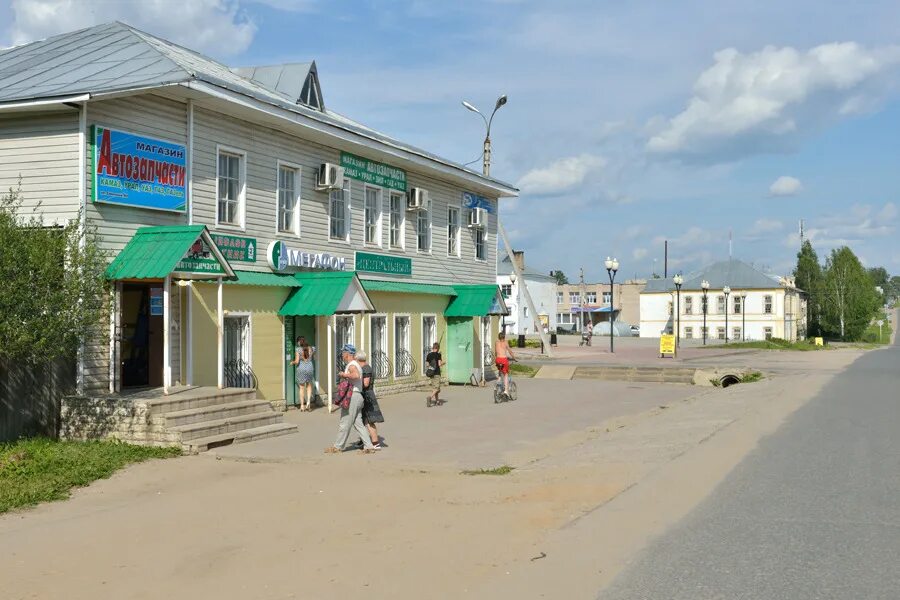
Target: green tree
[809, 278]
[561, 278]
[52, 286]
[850, 298]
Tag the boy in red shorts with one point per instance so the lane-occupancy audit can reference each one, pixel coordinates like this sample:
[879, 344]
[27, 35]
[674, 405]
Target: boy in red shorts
[503, 354]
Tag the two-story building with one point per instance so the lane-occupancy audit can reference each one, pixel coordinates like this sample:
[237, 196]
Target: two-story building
[541, 288]
[756, 306]
[577, 304]
[240, 213]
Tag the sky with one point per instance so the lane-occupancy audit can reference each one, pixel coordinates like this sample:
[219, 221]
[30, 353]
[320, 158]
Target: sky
[628, 123]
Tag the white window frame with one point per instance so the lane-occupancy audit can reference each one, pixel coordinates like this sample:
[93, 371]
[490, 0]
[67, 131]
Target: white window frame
[770, 300]
[560, 296]
[249, 317]
[379, 218]
[607, 297]
[688, 333]
[242, 194]
[387, 334]
[573, 298]
[591, 295]
[427, 211]
[422, 344]
[721, 333]
[736, 333]
[347, 190]
[397, 346]
[768, 333]
[503, 289]
[402, 231]
[457, 236]
[480, 231]
[295, 230]
[721, 304]
[737, 305]
[689, 305]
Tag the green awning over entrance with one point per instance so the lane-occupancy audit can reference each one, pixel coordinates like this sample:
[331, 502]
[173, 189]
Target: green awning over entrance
[327, 293]
[376, 285]
[476, 301]
[156, 252]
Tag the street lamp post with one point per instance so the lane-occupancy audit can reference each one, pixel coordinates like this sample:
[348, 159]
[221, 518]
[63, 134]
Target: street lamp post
[678, 280]
[743, 316]
[612, 265]
[726, 290]
[704, 287]
[487, 124]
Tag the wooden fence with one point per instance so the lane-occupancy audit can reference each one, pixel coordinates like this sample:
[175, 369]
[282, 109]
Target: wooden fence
[30, 397]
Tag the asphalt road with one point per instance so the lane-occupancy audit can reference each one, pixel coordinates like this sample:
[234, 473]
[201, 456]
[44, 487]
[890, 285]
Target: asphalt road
[813, 512]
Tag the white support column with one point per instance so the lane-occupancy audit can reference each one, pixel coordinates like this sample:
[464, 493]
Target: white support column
[481, 353]
[113, 326]
[220, 335]
[82, 225]
[362, 333]
[167, 320]
[188, 332]
[330, 358]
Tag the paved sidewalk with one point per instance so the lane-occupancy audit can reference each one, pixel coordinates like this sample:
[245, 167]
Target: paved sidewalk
[508, 433]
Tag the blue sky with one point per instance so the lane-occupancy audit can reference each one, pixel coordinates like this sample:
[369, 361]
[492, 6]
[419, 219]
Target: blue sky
[627, 123]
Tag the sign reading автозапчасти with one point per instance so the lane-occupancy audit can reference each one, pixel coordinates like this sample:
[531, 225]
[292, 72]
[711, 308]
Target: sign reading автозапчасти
[376, 173]
[381, 263]
[134, 170]
[282, 257]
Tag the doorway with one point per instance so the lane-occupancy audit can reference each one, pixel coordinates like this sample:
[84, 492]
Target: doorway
[460, 334]
[294, 327]
[141, 333]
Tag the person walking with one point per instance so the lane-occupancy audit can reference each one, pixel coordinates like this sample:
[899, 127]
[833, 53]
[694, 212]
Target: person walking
[371, 411]
[433, 363]
[305, 372]
[502, 355]
[590, 332]
[352, 414]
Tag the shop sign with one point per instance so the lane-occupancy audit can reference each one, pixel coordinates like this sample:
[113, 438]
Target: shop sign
[380, 263]
[376, 173]
[666, 345]
[134, 170]
[282, 257]
[470, 200]
[199, 259]
[234, 248]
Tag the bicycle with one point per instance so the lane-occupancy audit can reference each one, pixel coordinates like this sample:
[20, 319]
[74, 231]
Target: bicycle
[499, 394]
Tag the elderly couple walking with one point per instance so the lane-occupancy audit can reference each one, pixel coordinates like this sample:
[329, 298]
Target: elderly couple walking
[363, 412]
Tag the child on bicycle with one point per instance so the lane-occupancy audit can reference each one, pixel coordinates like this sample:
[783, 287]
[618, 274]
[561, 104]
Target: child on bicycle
[503, 355]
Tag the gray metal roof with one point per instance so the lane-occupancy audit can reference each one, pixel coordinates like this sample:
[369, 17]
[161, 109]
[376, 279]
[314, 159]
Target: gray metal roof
[504, 268]
[734, 273]
[289, 80]
[115, 57]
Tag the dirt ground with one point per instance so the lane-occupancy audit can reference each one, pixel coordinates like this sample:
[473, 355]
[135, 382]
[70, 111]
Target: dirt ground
[600, 469]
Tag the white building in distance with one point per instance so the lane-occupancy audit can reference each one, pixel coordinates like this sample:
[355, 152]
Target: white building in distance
[758, 306]
[543, 293]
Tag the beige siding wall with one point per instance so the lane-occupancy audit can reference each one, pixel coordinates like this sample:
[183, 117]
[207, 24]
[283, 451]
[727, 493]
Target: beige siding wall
[264, 147]
[41, 150]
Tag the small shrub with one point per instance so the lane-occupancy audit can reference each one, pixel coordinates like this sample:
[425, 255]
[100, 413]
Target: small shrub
[504, 470]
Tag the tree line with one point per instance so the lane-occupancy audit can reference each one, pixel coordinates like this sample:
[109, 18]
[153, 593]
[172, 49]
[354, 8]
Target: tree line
[843, 297]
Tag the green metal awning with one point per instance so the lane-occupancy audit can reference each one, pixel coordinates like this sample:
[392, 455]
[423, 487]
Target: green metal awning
[476, 301]
[377, 285]
[265, 279]
[327, 293]
[157, 252]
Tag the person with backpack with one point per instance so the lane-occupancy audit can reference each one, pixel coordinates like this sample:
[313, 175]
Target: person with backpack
[433, 364]
[350, 400]
[371, 411]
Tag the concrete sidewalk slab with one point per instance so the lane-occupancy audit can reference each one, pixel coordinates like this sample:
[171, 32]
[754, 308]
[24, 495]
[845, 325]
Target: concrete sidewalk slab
[555, 372]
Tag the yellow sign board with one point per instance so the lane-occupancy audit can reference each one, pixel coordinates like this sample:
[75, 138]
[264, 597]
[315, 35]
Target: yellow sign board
[819, 341]
[666, 345]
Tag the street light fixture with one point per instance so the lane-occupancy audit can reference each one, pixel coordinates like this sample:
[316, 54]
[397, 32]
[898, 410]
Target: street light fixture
[704, 287]
[612, 265]
[726, 290]
[743, 315]
[678, 280]
[486, 169]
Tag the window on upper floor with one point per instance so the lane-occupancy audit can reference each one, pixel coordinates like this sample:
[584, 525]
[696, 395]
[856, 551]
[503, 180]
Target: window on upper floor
[720, 304]
[452, 231]
[339, 213]
[480, 244]
[574, 298]
[372, 216]
[591, 298]
[423, 228]
[607, 297]
[559, 297]
[398, 221]
[506, 290]
[288, 200]
[688, 305]
[738, 305]
[767, 304]
[231, 186]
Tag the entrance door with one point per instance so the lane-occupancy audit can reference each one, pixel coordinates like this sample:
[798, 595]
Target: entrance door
[141, 335]
[459, 349]
[238, 372]
[294, 327]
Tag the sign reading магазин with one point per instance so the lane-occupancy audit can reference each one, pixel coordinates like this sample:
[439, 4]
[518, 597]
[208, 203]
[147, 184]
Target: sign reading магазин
[281, 257]
[470, 200]
[234, 248]
[139, 171]
[376, 173]
[381, 263]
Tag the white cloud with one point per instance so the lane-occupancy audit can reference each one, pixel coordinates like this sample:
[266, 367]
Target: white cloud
[759, 102]
[219, 27]
[888, 212]
[561, 175]
[639, 253]
[785, 186]
[766, 226]
[857, 225]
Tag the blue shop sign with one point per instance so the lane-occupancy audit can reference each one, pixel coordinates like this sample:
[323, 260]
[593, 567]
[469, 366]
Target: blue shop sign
[470, 200]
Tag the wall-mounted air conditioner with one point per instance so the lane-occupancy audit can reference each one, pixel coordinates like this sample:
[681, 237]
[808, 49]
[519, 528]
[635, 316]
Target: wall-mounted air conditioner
[330, 177]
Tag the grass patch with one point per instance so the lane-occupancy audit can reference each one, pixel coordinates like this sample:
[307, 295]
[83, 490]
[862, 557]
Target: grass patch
[872, 335]
[522, 370]
[504, 470]
[772, 344]
[751, 377]
[41, 470]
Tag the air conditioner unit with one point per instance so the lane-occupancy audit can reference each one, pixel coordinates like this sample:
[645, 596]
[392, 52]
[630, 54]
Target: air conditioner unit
[417, 199]
[330, 177]
[477, 218]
